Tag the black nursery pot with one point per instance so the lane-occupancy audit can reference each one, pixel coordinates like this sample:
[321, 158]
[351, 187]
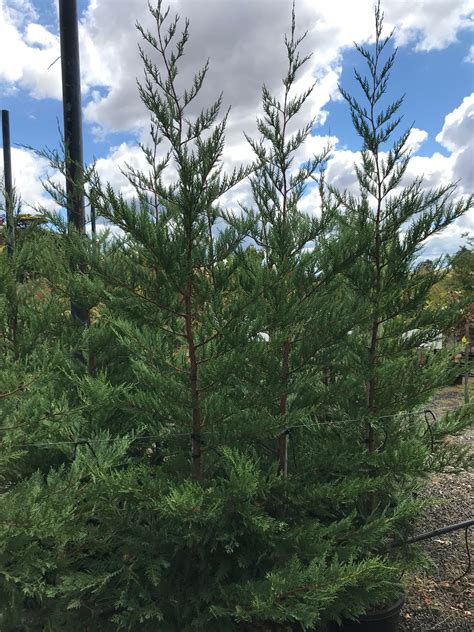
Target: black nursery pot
[383, 620]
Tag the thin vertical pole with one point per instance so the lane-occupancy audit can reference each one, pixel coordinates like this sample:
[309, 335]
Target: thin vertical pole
[71, 83]
[93, 219]
[7, 168]
[92, 356]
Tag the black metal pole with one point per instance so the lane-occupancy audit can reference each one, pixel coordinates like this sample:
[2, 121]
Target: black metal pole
[92, 219]
[7, 169]
[71, 82]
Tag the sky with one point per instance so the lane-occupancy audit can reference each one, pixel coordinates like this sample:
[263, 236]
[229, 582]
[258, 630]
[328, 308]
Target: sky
[244, 41]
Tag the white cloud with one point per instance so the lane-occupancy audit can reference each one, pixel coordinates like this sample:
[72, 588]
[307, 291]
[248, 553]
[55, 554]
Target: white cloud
[458, 128]
[457, 136]
[27, 49]
[110, 168]
[341, 172]
[447, 242]
[311, 202]
[429, 24]
[239, 66]
[29, 172]
[416, 139]
[30, 54]
[21, 11]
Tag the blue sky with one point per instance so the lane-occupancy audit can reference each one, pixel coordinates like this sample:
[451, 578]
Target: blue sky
[434, 69]
[434, 83]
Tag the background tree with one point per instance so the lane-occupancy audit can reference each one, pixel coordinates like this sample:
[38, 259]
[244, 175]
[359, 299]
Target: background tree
[462, 266]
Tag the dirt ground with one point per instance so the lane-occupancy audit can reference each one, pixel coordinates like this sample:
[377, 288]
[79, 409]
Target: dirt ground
[437, 601]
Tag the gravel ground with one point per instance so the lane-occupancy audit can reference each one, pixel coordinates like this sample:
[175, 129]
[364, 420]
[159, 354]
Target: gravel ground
[436, 600]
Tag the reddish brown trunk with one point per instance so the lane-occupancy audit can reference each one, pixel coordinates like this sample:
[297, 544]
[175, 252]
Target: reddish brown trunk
[196, 441]
[371, 386]
[92, 364]
[283, 439]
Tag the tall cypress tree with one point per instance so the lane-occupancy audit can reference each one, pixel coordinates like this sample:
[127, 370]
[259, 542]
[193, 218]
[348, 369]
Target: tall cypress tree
[300, 310]
[172, 248]
[390, 371]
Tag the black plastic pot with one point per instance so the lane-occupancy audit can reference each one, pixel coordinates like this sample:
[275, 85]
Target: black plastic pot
[384, 620]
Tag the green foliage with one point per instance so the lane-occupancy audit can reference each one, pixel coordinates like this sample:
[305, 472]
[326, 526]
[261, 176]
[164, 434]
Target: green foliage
[115, 547]
[391, 371]
[462, 266]
[234, 441]
[456, 287]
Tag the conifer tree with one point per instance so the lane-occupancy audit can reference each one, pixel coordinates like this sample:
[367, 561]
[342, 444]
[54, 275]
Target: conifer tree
[299, 311]
[390, 371]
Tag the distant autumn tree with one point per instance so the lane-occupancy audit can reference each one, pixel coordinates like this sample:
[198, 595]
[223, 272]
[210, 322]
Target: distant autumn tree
[462, 268]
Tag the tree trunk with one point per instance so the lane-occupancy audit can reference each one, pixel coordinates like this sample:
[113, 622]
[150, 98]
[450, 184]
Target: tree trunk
[196, 441]
[283, 439]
